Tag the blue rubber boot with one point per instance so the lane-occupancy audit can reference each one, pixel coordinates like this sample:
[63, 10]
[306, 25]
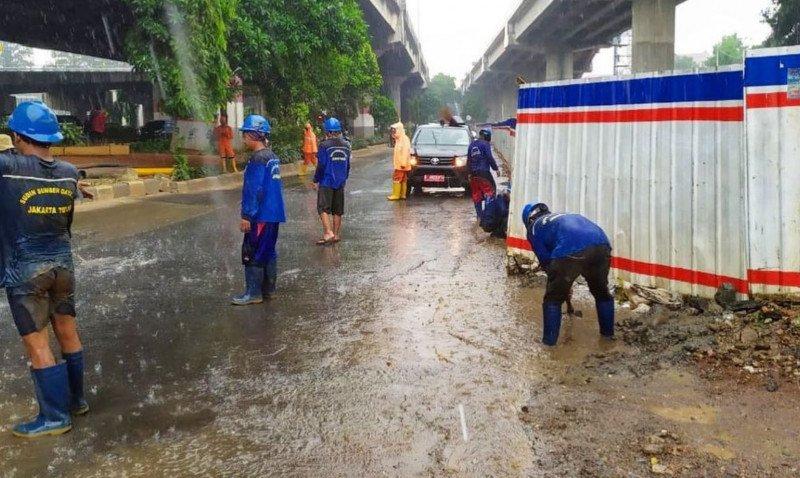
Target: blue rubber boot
[479, 211]
[52, 393]
[552, 323]
[270, 279]
[254, 280]
[605, 317]
[77, 400]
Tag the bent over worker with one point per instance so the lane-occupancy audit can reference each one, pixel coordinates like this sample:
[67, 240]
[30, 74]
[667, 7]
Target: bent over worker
[481, 162]
[37, 198]
[310, 149]
[569, 245]
[401, 159]
[262, 213]
[333, 169]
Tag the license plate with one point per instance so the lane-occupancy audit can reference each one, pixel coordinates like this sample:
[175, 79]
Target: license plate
[434, 178]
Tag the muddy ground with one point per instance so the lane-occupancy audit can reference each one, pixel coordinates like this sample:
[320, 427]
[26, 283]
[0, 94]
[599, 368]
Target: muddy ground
[406, 350]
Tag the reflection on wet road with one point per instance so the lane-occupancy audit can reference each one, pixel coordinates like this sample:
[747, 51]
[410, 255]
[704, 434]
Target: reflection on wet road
[358, 367]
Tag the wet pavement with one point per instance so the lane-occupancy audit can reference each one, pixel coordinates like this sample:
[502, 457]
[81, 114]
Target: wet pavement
[405, 350]
[361, 365]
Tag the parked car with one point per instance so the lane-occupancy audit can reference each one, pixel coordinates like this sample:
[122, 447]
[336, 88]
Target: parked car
[157, 129]
[439, 157]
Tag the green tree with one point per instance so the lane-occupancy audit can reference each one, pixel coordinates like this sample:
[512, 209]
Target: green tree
[685, 62]
[729, 51]
[475, 106]
[384, 112]
[443, 88]
[784, 19]
[305, 55]
[183, 45]
[15, 56]
[441, 92]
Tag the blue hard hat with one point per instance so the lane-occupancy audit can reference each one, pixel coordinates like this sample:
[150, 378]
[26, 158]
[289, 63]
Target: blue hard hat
[486, 134]
[531, 208]
[332, 125]
[35, 120]
[256, 124]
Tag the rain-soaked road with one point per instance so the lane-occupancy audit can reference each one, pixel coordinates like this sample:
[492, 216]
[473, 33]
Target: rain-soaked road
[360, 366]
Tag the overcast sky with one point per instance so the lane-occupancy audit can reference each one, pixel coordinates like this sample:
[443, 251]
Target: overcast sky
[454, 33]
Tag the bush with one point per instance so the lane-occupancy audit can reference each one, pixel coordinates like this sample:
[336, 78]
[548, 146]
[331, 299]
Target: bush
[181, 170]
[73, 135]
[287, 154]
[359, 143]
[161, 145]
[384, 112]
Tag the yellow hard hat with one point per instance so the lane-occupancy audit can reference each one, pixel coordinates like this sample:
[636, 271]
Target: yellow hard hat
[5, 142]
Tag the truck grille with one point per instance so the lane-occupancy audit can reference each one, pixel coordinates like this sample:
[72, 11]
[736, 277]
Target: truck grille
[439, 162]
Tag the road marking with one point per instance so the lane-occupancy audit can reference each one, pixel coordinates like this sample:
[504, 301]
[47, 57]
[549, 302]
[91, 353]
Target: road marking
[277, 352]
[463, 422]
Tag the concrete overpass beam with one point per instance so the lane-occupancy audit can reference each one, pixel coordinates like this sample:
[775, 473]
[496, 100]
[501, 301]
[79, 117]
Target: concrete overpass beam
[560, 65]
[653, 35]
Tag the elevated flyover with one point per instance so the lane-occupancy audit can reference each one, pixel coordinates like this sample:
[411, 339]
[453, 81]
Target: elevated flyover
[557, 39]
[398, 49]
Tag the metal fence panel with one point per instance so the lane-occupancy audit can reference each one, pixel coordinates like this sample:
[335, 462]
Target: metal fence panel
[772, 80]
[656, 160]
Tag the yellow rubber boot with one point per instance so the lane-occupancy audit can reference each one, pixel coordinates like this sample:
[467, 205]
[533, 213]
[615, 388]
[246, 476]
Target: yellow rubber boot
[403, 189]
[395, 192]
[303, 169]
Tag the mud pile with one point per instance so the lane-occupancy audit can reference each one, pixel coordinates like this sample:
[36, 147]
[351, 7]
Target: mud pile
[759, 344]
[751, 341]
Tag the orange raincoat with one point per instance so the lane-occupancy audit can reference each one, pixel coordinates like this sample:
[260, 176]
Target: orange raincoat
[309, 145]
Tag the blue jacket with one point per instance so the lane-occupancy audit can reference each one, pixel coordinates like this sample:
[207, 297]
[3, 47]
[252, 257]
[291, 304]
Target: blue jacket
[37, 199]
[556, 236]
[262, 193]
[481, 158]
[333, 163]
[495, 213]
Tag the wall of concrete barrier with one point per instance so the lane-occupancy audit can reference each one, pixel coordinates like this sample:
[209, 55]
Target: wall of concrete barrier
[690, 174]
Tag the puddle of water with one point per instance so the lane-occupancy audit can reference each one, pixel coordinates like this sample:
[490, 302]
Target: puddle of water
[702, 414]
[718, 451]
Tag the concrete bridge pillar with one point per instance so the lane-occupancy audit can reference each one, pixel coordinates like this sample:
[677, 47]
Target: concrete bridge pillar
[560, 65]
[394, 89]
[653, 35]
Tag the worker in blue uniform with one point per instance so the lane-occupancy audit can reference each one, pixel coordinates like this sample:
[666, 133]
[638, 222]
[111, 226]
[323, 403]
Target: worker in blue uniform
[37, 198]
[333, 169]
[494, 214]
[262, 213]
[481, 163]
[569, 245]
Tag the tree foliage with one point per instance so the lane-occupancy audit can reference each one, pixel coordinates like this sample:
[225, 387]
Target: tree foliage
[183, 44]
[475, 106]
[728, 51]
[784, 19]
[384, 112]
[441, 92]
[305, 55]
[685, 62]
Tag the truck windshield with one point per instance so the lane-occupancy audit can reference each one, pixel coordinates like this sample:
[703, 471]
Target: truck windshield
[442, 137]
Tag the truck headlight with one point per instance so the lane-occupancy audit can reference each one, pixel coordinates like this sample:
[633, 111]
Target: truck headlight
[461, 161]
[413, 161]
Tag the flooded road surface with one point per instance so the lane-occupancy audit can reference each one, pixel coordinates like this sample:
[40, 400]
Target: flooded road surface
[361, 365]
[403, 351]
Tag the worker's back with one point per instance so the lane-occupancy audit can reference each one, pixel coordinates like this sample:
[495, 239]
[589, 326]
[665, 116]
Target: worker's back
[566, 234]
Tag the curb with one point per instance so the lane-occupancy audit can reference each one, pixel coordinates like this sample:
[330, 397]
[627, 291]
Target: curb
[149, 187]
